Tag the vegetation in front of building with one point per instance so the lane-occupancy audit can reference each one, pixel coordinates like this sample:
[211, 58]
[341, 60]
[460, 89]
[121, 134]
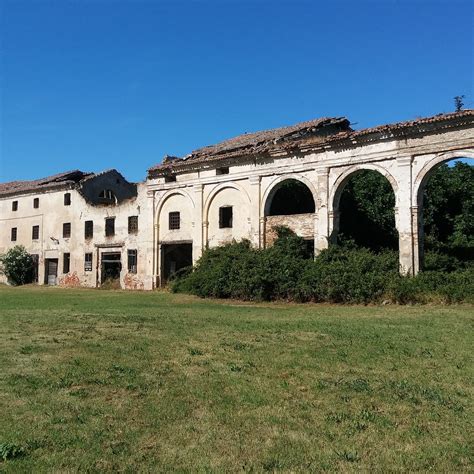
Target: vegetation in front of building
[17, 265]
[363, 266]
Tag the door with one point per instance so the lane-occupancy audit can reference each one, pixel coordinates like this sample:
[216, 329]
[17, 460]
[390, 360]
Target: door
[174, 257]
[51, 274]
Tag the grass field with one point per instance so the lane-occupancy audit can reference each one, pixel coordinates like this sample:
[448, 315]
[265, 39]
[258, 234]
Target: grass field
[121, 381]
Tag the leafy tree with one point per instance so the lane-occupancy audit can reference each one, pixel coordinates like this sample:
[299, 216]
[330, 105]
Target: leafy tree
[17, 265]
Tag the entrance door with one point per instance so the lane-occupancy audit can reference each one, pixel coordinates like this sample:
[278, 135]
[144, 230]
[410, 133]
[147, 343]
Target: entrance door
[51, 273]
[111, 266]
[174, 257]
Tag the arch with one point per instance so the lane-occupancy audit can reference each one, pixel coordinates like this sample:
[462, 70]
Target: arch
[419, 185]
[343, 178]
[217, 190]
[274, 186]
[360, 226]
[429, 168]
[168, 195]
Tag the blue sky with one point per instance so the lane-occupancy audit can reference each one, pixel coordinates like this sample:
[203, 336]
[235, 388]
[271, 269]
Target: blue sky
[96, 84]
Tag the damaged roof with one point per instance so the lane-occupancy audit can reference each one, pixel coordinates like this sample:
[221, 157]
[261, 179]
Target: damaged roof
[258, 142]
[319, 133]
[60, 180]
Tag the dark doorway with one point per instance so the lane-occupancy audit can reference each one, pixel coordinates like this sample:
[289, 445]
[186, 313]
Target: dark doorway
[175, 257]
[51, 273]
[111, 266]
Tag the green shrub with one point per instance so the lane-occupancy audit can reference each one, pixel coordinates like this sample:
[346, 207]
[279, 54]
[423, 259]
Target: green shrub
[340, 274]
[17, 265]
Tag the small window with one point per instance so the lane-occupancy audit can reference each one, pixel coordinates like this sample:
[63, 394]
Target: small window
[224, 170]
[88, 229]
[109, 226]
[132, 261]
[67, 230]
[132, 224]
[35, 232]
[36, 203]
[14, 234]
[170, 178]
[174, 220]
[67, 199]
[66, 262]
[225, 217]
[88, 262]
[15, 206]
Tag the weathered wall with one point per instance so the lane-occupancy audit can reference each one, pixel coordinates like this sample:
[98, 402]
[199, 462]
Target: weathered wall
[301, 224]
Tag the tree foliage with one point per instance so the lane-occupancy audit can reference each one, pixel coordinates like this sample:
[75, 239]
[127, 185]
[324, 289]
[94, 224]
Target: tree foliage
[17, 265]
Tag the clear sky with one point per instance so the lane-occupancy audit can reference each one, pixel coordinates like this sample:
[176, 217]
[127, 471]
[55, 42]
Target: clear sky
[96, 84]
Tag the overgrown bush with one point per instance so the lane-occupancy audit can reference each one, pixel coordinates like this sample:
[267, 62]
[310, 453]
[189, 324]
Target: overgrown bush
[337, 275]
[17, 265]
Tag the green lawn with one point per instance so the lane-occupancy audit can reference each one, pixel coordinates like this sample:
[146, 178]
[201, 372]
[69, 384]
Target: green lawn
[97, 380]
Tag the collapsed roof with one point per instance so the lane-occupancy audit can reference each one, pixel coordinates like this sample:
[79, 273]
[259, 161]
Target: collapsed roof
[57, 181]
[316, 134]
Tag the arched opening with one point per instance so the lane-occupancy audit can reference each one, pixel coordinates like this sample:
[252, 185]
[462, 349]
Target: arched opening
[446, 215]
[365, 212]
[290, 204]
[288, 198]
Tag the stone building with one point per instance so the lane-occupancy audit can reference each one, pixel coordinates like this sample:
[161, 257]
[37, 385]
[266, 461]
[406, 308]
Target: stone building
[239, 188]
[81, 228]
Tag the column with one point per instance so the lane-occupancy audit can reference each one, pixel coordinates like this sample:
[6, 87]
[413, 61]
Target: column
[321, 222]
[255, 211]
[199, 234]
[404, 215]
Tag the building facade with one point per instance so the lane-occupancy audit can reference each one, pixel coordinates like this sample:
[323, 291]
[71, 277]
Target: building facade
[241, 188]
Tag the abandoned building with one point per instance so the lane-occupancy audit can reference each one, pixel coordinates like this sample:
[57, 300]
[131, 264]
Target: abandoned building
[85, 228]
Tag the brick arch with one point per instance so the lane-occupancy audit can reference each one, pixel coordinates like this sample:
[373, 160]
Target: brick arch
[168, 195]
[273, 187]
[429, 168]
[217, 190]
[343, 178]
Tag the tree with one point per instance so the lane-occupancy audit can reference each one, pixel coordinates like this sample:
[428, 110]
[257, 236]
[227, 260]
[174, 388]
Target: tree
[458, 102]
[17, 265]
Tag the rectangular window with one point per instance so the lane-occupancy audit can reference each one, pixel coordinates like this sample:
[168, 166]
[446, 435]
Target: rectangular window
[14, 234]
[88, 229]
[67, 230]
[174, 220]
[225, 217]
[36, 203]
[109, 226]
[66, 262]
[132, 261]
[88, 262]
[67, 199]
[15, 206]
[132, 224]
[224, 170]
[35, 232]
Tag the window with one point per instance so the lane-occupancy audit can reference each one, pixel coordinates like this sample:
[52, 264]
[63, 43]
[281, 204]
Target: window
[107, 196]
[88, 229]
[36, 203]
[132, 261]
[132, 224]
[67, 230]
[224, 170]
[170, 178]
[15, 206]
[225, 217]
[67, 199]
[66, 262]
[88, 262]
[35, 232]
[174, 220]
[14, 234]
[109, 226]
